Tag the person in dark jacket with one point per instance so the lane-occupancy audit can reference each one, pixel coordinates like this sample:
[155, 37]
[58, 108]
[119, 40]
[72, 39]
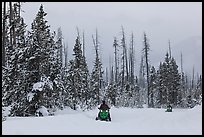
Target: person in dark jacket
[104, 106]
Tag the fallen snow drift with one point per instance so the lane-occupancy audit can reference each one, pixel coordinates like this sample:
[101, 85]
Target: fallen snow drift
[125, 121]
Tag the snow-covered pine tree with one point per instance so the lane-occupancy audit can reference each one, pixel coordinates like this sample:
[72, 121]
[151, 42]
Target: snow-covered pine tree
[136, 95]
[86, 87]
[152, 86]
[169, 82]
[76, 78]
[7, 54]
[175, 81]
[182, 94]
[111, 89]
[21, 73]
[40, 63]
[198, 92]
[69, 86]
[162, 74]
[96, 78]
[158, 101]
[111, 93]
[56, 71]
[15, 91]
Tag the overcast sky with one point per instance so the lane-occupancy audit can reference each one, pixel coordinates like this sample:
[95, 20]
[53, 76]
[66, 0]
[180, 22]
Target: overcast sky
[162, 21]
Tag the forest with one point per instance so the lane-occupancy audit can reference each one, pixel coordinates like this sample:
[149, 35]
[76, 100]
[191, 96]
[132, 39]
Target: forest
[37, 73]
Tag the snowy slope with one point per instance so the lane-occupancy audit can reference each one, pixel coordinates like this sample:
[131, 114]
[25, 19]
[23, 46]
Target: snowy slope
[144, 121]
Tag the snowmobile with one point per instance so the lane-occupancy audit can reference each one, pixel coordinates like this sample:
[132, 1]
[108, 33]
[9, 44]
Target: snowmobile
[169, 108]
[103, 115]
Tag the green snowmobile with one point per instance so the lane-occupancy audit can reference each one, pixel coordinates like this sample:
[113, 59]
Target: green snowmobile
[103, 115]
[169, 108]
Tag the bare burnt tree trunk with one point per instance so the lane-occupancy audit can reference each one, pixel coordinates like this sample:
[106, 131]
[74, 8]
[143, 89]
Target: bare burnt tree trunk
[131, 54]
[99, 64]
[123, 68]
[106, 76]
[4, 36]
[146, 50]
[19, 9]
[95, 42]
[12, 25]
[169, 49]
[192, 85]
[115, 45]
[66, 55]
[125, 53]
[83, 45]
[183, 86]
[181, 64]
[141, 73]
[97, 48]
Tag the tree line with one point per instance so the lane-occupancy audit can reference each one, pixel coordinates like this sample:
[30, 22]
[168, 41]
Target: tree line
[36, 72]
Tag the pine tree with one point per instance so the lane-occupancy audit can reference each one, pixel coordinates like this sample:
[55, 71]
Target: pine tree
[15, 76]
[69, 85]
[158, 92]
[182, 93]
[77, 79]
[57, 71]
[41, 63]
[169, 81]
[6, 54]
[162, 74]
[153, 86]
[137, 96]
[96, 75]
[198, 93]
[175, 81]
[111, 93]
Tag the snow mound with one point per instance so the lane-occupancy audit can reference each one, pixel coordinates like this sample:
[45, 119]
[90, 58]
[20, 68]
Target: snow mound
[38, 86]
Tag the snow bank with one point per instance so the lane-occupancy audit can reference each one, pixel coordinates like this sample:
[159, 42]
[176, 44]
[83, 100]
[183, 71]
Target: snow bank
[30, 96]
[42, 111]
[38, 86]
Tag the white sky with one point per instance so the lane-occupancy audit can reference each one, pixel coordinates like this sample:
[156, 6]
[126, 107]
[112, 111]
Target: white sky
[161, 21]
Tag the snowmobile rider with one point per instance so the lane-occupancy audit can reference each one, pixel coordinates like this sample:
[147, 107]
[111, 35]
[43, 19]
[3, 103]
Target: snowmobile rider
[104, 106]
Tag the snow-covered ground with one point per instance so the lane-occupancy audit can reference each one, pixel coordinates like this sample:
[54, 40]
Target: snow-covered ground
[125, 121]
